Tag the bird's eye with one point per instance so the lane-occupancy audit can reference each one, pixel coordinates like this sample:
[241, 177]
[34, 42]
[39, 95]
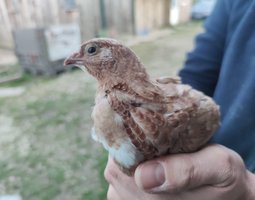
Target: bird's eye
[91, 49]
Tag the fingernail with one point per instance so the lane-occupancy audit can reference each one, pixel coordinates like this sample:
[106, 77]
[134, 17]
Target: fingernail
[150, 175]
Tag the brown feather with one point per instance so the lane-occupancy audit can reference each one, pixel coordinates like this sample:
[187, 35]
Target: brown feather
[159, 117]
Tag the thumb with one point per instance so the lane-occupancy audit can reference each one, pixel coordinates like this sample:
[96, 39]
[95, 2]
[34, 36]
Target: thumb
[212, 165]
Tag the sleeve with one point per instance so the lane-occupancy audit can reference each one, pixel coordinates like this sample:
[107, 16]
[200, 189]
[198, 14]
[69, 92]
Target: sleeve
[202, 65]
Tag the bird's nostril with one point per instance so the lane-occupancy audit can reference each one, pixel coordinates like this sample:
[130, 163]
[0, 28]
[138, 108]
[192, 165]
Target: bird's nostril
[74, 58]
[68, 61]
[76, 55]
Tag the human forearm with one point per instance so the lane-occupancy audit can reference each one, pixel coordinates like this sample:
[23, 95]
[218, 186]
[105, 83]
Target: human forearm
[203, 63]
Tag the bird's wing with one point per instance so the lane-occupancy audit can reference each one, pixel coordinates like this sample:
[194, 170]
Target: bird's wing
[135, 132]
[183, 124]
[164, 129]
[187, 122]
[175, 131]
[143, 114]
[167, 79]
[192, 117]
[147, 90]
[148, 120]
[163, 91]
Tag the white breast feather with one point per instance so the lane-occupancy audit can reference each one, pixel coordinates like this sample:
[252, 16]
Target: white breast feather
[127, 154]
[103, 116]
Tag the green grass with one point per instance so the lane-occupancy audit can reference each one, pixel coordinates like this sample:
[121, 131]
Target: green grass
[46, 152]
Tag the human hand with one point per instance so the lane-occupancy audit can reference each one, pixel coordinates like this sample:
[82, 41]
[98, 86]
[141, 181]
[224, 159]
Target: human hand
[213, 173]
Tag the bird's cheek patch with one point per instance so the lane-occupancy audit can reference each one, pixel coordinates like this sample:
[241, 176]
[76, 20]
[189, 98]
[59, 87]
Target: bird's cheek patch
[105, 54]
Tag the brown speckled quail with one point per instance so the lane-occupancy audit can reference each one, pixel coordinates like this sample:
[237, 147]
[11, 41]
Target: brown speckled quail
[136, 118]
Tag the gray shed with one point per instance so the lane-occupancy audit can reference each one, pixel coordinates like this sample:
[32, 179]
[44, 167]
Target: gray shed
[41, 51]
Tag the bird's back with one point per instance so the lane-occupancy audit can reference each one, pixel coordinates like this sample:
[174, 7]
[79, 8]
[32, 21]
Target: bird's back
[191, 117]
[179, 119]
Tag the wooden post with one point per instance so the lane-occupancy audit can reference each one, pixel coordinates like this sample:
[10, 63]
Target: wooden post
[89, 18]
[6, 21]
[133, 16]
[5, 29]
[103, 15]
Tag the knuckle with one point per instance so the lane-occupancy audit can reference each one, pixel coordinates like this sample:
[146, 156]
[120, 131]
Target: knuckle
[183, 174]
[230, 165]
[110, 174]
[111, 194]
[225, 157]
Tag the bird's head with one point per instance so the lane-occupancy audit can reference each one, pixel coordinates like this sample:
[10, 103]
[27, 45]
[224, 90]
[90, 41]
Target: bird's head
[107, 59]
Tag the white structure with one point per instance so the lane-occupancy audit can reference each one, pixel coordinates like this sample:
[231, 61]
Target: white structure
[180, 11]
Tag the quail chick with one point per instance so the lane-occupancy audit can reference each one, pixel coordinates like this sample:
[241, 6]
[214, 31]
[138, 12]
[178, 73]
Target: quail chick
[137, 118]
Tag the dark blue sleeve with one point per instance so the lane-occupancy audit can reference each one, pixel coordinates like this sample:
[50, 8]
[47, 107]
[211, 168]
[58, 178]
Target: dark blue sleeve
[202, 66]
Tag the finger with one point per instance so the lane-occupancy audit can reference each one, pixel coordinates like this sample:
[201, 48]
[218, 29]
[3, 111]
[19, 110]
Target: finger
[111, 172]
[121, 186]
[112, 194]
[212, 165]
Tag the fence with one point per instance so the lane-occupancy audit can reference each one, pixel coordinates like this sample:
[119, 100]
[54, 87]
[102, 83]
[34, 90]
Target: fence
[96, 17]
[33, 13]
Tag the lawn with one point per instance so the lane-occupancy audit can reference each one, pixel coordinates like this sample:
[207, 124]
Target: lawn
[46, 152]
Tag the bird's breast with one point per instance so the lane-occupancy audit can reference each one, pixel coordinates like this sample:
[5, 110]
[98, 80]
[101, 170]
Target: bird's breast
[109, 130]
[107, 123]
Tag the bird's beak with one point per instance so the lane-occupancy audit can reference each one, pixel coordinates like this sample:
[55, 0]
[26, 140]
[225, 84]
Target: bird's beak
[74, 59]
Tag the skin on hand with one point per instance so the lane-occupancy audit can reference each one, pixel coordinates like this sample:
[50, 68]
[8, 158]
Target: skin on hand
[213, 173]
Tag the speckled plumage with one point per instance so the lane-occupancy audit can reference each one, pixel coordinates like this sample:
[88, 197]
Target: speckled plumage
[137, 118]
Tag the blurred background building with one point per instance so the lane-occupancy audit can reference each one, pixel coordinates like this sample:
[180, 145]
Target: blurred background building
[96, 18]
[43, 32]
